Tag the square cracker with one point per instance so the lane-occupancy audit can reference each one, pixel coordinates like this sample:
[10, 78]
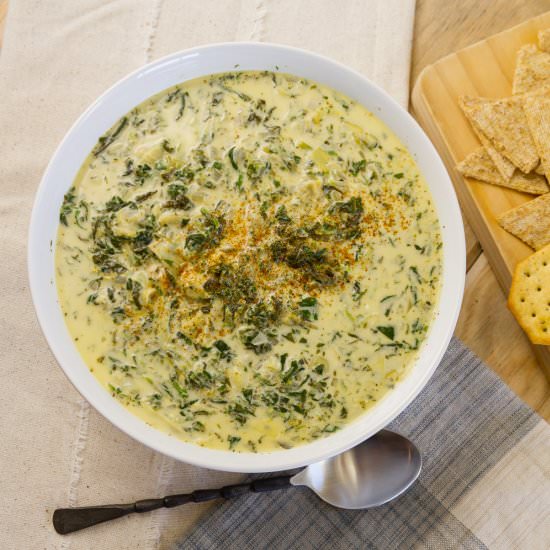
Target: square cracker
[478, 165]
[532, 69]
[544, 40]
[529, 298]
[504, 123]
[537, 112]
[529, 222]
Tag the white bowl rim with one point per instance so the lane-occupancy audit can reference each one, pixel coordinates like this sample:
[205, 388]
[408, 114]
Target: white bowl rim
[41, 251]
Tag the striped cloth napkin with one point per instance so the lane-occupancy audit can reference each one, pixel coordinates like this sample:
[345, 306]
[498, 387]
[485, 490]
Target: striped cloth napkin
[485, 482]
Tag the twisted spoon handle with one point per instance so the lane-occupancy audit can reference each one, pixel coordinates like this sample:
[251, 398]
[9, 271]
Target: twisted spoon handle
[68, 520]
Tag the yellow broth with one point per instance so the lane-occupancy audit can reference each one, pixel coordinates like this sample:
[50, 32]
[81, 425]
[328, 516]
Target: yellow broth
[248, 261]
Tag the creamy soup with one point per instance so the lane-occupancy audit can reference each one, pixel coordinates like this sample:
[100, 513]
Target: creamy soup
[248, 261]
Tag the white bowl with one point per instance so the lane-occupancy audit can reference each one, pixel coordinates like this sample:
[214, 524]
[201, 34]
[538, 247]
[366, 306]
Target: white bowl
[157, 76]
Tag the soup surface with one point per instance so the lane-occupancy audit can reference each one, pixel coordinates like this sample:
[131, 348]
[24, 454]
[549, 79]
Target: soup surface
[248, 261]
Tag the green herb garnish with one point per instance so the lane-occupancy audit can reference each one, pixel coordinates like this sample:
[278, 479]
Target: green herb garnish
[108, 139]
[387, 331]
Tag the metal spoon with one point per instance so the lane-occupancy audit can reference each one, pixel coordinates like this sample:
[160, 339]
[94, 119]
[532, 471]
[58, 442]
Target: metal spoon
[372, 473]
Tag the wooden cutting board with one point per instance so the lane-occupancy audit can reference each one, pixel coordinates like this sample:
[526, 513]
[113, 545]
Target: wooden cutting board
[484, 69]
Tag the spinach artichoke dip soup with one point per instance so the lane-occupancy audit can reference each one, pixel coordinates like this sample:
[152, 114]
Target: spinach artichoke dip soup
[248, 261]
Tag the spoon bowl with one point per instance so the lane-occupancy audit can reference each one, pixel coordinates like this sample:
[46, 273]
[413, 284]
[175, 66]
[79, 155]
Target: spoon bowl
[368, 475]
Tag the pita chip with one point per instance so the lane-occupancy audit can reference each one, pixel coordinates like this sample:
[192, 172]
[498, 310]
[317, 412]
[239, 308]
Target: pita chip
[532, 69]
[529, 222]
[504, 123]
[504, 166]
[479, 165]
[537, 112]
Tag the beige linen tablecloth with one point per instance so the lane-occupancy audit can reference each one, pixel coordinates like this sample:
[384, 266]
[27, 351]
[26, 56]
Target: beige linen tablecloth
[58, 56]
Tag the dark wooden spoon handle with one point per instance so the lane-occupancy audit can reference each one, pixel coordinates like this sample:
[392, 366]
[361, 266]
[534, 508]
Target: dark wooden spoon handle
[68, 520]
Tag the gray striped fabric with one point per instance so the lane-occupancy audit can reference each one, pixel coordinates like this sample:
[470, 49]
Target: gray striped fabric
[464, 422]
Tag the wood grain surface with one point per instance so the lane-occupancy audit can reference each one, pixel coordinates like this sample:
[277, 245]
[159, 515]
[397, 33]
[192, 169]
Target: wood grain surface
[485, 68]
[442, 27]
[485, 324]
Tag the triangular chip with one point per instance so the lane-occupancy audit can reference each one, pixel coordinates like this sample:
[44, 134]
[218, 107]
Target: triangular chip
[543, 91]
[503, 122]
[504, 166]
[529, 222]
[532, 69]
[529, 298]
[539, 169]
[478, 165]
[544, 40]
[537, 112]
[532, 183]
